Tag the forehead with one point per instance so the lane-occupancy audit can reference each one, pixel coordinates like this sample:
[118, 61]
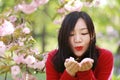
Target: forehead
[80, 24]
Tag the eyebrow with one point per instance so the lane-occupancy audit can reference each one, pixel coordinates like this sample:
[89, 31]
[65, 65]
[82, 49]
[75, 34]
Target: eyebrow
[82, 29]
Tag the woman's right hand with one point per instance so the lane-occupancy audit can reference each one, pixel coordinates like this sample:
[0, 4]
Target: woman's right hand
[71, 66]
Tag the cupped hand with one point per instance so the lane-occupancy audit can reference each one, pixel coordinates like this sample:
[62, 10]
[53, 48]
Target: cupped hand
[86, 64]
[71, 66]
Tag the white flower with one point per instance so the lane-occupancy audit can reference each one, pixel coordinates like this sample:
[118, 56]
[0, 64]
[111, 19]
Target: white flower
[73, 5]
[41, 2]
[39, 65]
[27, 8]
[12, 18]
[71, 59]
[30, 8]
[15, 70]
[30, 60]
[6, 28]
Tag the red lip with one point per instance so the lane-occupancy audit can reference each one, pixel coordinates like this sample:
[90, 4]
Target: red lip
[79, 48]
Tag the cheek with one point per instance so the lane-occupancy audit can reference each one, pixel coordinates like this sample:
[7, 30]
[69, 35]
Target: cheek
[87, 39]
[71, 41]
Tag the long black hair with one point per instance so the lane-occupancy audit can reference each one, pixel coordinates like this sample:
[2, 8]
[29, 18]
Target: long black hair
[64, 50]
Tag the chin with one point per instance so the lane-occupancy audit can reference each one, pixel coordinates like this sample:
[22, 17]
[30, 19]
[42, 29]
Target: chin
[78, 54]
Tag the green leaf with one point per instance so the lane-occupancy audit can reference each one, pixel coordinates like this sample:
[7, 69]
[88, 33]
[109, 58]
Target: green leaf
[14, 47]
[17, 33]
[4, 69]
[6, 39]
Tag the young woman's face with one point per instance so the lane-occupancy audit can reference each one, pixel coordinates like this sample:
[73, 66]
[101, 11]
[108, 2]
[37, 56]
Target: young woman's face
[79, 38]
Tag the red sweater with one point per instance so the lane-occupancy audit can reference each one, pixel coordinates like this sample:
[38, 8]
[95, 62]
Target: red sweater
[103, 70]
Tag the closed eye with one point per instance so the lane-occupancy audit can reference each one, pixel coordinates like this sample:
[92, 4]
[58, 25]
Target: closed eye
[84, 33]
[71, 34]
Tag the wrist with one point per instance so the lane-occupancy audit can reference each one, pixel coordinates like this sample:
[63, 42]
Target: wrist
[71, 73]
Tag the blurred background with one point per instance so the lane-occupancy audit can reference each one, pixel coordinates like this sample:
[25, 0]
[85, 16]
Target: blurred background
[45, 23]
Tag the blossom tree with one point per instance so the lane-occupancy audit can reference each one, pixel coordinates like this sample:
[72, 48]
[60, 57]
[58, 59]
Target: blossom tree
[17, 52]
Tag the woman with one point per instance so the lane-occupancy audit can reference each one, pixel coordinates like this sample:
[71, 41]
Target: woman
[77, 56]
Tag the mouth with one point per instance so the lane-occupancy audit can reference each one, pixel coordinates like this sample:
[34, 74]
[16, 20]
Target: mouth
[78, 48]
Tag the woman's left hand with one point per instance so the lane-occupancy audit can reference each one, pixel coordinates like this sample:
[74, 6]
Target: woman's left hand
[86, 64]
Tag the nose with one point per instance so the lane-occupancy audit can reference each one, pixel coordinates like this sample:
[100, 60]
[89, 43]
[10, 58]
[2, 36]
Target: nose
[77, 38]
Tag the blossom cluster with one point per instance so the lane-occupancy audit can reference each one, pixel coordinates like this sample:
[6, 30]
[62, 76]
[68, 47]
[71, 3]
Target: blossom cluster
[73, 5]
[17, 53]
[65, 6]
[32, 7]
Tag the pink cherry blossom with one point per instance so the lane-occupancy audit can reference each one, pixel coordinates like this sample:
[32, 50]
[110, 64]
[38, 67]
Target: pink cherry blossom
[20, 26]
[30, 65]
[97, 2]
[35, 51]
[16, 9]
[6, 28]
[62, 1]
[27, 8]
[39, 65]
[59, 21]
[2, 48]
[73, 5]
[26, 30]
[12, 18]
[29, 60]
[88, 4]
[15, 70]
[26, 76]
[21, 43]
[45, 56]
[41, 2]
[17, 78]
[30, 8]
[61, 10]
[19, 59]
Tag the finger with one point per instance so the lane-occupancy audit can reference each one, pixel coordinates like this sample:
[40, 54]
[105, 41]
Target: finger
[87, 59]
[81, 68]
[68, 68]
[76, 68]
[90, 60]
[69, 63]
[66, 62]
[73, 67]
[85, 66]
[89, 64]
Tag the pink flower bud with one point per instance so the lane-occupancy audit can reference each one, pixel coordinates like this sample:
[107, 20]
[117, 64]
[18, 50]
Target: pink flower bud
[26, 30]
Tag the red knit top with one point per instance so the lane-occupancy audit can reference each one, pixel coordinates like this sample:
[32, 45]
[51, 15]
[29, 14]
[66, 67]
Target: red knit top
[103, 70]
